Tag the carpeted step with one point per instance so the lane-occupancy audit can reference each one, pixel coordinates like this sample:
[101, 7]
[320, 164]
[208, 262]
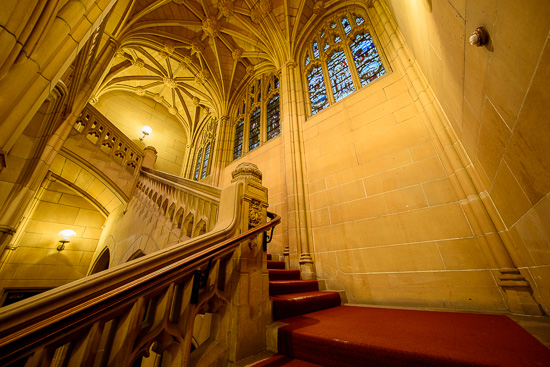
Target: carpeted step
[272, 264]
[278, 287]
[278, 274]
[287, 305]
[269, 256]
[350, 336]
[280, 361]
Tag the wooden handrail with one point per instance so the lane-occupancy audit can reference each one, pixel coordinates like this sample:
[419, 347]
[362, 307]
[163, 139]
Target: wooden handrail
[54, 316]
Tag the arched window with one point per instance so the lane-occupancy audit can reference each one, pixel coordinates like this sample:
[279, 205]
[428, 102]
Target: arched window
[346, 61]
[205, 162]
[239, 137]
[273, 121]
[198, 165]
[254, 126]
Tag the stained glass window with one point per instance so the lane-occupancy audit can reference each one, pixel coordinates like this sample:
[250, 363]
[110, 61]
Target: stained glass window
[276, 82]
[273, 117]
[359, 20]
[205, 162]
[307, 60]
[322, 33]
[332, 25]
[346, 25]
[317, 91]
[339, 75]
[315, 50]
[367, 60]
[238, 146]
[198, 166]
[337, 39]
[254, 140]
[326, 47]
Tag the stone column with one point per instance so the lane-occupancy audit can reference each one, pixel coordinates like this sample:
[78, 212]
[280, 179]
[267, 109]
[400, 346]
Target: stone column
[150, 157]
[250, 305]
[300, 238]
[496, 244]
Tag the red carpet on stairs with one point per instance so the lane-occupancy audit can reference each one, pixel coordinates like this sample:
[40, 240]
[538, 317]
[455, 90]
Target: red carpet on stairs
[364, 336]
[320, 332]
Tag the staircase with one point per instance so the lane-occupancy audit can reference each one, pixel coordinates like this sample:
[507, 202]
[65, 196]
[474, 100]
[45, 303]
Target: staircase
[313, 329]
[291, 296]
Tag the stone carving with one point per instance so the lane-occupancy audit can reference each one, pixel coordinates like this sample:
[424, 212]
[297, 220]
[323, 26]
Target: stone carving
[319, 7]
[140, 91]
[169, 82]
[211, 26]
[196, 101]
[254, 213]
[169, 47]
[158, 98]
[119, 52]
[247, 170]
[263, 7]
[164, 55]
[201, 77]
[226, 7]
[139, 63]
[256, 15]
[173, 110]
[93, 100]
[237, 54]
[250, 70]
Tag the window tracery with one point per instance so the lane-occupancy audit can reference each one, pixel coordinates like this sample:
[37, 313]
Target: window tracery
[347, 60]
[258, 120]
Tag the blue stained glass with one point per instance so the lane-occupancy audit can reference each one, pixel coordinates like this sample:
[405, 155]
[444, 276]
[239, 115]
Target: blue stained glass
[273, 117]
[198, 166]
[205, 162]
[317, 91]
[346, 25]
[276, 83]
[332, 25]
[238, 146]
[322, 33]
[367, 60]
[337, 39]
[254, 140]
[307, 60]
[339, 75]
[359, 20]
[315, 50]
[326, 47]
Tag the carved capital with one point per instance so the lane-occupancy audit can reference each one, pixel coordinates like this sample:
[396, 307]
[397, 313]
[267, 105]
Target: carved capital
[140, 91]
[237, 54]
[247, 170]
[211, 26]
[255, 214]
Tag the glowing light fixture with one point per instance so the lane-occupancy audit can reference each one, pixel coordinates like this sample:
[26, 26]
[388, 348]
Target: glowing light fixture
[146, 130]
[66, 234]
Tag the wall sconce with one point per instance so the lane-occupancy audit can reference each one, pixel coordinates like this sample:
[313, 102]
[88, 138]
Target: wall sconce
[66, 234]
[146, 130]
[479, 37]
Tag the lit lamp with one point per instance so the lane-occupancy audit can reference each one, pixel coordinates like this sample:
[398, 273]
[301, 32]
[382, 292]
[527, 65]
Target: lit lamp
[146, 130]
[66, 234]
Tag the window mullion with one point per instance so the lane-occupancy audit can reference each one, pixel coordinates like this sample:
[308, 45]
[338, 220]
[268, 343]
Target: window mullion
[328, 86]
[351, 65]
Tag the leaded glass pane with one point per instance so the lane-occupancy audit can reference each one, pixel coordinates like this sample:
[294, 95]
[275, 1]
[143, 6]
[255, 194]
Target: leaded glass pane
[346, 25]
[339, 75]
[367, 60]
[273, 117]
[332, 25]
[307, 59]
[322, 33]
[205, 162]
[238, 146]
[254, 140]
[198, 166]
[337, 39]
[276, 83]
[317, 91]
[326, 47]
[359, 20]
[315, 50]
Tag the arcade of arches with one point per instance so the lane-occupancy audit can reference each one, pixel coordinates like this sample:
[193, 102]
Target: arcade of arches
[410, 167]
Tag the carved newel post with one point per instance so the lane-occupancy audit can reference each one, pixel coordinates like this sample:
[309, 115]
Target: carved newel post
[251, 309]
[150, 157]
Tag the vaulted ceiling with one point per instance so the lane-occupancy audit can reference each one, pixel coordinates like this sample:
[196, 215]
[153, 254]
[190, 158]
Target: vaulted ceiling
[194, 56]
